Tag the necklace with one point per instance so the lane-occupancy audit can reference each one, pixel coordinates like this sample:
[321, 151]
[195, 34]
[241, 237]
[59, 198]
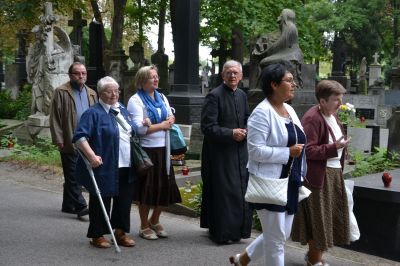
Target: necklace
[283, 112]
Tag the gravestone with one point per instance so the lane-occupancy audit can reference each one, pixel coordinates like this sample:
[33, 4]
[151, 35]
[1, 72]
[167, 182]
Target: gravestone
[393, 125]
[365, 105]
[377, 210]
[375, 70]
[160, 59]
[77, 23]
[392, 98]
[95, 67]
[116, 67]
[361, 139]
[20, 58]
[339, 51]
[186, 97]
[10, 80]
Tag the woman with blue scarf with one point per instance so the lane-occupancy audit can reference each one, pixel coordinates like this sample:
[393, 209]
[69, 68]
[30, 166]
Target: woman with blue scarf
[152, 115]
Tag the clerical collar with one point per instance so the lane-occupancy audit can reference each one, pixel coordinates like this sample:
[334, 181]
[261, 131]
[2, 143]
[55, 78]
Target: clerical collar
[230, 87]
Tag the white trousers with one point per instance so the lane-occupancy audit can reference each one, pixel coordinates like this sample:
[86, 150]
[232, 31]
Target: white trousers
[276, 228]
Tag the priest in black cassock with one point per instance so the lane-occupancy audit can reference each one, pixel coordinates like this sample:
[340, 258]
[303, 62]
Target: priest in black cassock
[224, 157]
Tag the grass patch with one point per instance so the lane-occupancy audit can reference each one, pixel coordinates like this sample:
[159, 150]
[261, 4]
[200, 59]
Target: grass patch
[192, 199]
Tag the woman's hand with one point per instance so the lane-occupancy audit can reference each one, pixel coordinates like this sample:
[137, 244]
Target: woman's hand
[295, 150]
[146, 122]
[95, 161]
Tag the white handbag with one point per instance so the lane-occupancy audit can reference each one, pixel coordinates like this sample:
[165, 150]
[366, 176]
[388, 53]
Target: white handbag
[272, 190]
[267, 190]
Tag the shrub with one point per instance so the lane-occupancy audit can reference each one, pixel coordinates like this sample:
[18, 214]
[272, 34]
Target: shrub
[19, 108]
[381, 160]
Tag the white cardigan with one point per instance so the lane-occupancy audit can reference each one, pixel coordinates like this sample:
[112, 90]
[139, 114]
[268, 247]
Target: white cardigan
[267, 139]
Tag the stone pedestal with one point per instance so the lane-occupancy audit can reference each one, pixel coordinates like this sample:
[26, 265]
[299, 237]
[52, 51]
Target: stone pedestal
[37, 125]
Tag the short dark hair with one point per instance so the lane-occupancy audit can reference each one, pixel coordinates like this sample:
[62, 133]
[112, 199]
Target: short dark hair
[274, 73]
[326, 88]
[74, 64]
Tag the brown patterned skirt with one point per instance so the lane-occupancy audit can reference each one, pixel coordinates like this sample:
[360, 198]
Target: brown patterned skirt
[324, 216]
[157, 188]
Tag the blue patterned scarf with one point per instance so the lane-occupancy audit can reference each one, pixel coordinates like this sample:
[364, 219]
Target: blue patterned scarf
[152, 105]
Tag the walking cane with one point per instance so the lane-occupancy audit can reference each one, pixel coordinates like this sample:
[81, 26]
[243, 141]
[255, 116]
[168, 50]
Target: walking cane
[117, 249]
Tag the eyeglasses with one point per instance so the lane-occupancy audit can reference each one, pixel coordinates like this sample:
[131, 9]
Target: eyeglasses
[232, 73]
[114, 92]
[154, 77]
[291, 81]
[79, 73]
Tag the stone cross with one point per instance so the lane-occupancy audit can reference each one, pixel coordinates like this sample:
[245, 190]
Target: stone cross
[376, 57]
[47, 20]
[77, 23]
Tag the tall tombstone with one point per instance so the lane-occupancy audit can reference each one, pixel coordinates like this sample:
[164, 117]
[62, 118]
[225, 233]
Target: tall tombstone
[77, 23]
[95, 67]
[393, 125]
[339, 50]
[117, 67]
[160, 60]
[20, 59]
[186, 97]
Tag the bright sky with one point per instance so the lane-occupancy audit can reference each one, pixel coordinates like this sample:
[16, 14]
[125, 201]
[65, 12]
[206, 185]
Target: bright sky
[204, 52]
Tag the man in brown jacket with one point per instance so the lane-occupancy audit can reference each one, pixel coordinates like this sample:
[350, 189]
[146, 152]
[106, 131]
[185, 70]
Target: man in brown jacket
[69, 101]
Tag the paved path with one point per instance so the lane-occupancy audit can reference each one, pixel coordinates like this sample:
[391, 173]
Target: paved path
[33, 231]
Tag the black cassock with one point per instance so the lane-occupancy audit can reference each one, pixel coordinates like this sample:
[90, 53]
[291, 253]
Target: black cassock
[223, 166]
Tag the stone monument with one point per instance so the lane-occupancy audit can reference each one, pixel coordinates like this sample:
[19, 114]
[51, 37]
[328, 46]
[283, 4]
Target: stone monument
[47, 63]
[375, 70]
[77, 23]
[274, 47]
[363, 85]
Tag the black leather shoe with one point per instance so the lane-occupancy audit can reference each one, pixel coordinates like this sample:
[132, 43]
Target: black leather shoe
[67, 210]
[83, 212]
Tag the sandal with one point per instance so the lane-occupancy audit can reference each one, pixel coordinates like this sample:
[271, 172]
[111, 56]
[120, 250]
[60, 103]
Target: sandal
[148, 234]
[319, 263]
[235, 260]
[158, 228]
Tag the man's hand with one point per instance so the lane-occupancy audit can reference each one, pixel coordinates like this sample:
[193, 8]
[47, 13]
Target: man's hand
[239, 134]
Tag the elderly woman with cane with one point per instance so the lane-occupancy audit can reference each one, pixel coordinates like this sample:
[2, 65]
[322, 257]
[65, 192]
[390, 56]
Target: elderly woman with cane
[103, 136]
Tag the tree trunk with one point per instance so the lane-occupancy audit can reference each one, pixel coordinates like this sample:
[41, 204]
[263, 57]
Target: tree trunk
[237, 44]
[172, 14]
[161, 25]
[118, 24]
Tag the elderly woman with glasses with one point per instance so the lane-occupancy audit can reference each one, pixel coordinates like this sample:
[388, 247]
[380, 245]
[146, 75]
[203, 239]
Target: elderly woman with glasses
[275, 143]
[152, 115]
[103, 136]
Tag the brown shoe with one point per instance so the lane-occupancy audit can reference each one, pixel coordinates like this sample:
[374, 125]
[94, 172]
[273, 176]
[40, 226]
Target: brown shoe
[123, 239]
[100, 242]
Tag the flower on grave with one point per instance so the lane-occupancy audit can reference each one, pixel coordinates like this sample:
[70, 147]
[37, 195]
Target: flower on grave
[346, 113]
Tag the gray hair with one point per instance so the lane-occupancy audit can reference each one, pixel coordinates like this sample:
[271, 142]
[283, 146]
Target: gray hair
[143, 75]
[106, 82]
[231, 63]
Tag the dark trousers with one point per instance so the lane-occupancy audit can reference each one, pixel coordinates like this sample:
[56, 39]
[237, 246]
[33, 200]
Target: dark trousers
[121, 208]
[72, 195]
